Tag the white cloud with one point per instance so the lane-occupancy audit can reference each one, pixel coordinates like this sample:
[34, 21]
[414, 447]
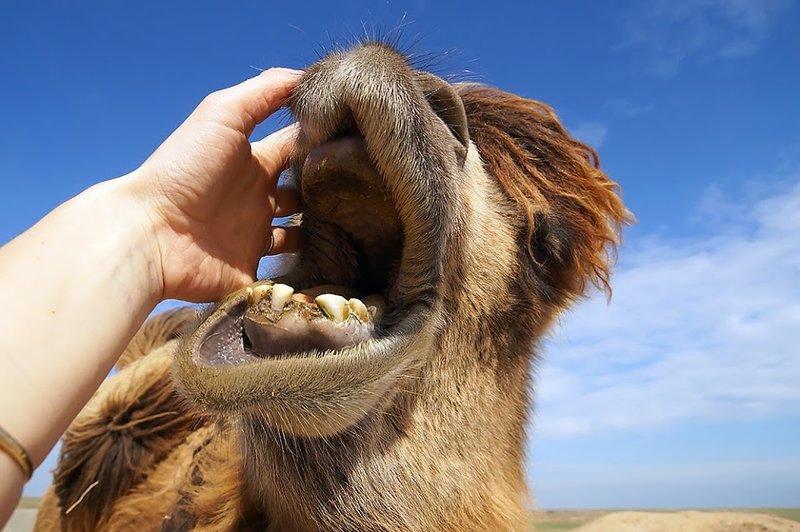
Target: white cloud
[764, 482]
[700, 328]
[592, 133]
[629, 109]
[669, 32]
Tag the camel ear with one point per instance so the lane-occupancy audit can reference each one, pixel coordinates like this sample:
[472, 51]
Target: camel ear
[571, 212]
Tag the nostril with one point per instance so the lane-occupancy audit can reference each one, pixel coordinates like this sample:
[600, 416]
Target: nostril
[347, 128]
[447, 105]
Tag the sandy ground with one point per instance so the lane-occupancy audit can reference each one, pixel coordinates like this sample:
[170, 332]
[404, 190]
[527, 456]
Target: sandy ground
[689, 521]
[21, 521]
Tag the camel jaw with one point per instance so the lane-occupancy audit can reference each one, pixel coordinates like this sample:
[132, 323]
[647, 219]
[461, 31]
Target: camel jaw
[309, 389]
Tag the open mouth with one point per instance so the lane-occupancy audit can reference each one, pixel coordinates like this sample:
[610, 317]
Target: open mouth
[347, 206]
[312, 352]
[272, 321]
[331, 342]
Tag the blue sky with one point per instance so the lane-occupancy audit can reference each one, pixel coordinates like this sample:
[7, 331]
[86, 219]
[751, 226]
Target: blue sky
[684, 391]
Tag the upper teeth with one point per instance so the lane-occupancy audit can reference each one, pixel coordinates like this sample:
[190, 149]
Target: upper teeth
[281, 293]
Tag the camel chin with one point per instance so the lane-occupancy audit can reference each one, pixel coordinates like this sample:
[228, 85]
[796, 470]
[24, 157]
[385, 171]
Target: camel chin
[311, 363]
[383, 383]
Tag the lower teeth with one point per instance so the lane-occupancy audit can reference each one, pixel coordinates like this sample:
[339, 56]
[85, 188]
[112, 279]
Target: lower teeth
[333, 306]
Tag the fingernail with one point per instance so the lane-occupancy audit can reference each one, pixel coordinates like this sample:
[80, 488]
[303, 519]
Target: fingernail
[290, 72]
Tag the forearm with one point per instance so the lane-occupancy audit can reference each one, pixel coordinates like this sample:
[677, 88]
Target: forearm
[74, 289]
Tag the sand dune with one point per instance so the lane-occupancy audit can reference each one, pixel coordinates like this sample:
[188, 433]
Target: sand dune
[689, 521]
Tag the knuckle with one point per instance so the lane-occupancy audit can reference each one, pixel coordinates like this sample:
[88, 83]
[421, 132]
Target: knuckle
[218, 98]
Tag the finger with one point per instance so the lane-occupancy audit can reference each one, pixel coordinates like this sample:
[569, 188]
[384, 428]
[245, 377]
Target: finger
[286, 201]
[284, 240]
[258, 97]
[274, 150]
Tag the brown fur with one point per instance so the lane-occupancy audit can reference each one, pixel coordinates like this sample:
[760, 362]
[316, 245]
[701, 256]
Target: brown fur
[554, 178]
[132, 424]
[503, 219]
[156, 332]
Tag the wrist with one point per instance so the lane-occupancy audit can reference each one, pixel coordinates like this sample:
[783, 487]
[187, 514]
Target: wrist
[142, 226]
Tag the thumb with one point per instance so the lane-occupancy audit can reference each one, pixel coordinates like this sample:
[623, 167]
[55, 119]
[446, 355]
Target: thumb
[255, 99]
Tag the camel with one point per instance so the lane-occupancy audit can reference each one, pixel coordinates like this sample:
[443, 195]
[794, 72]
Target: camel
[384, 382]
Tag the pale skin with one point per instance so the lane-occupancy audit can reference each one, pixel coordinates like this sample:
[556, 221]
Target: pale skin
[191, 223]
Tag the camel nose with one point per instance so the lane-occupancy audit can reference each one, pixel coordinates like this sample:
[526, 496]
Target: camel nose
[367, 88]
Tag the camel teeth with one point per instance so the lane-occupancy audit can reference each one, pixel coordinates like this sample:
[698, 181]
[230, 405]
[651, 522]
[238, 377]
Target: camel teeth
[358, 309]
[375, 306]
[257, 293]
[281, 294]
[333, 306]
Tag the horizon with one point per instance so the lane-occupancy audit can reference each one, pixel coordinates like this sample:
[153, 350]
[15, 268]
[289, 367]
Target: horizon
[682, 391]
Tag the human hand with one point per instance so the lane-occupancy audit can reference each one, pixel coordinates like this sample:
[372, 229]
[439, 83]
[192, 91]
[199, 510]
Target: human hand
[210, 194]
[190, 223]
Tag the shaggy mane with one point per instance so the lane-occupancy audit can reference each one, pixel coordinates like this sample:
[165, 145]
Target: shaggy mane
[546, 171]
[156, 332]
[133, 422]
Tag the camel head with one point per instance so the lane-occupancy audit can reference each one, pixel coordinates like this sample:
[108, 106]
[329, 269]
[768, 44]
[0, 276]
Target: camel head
[445, 227]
